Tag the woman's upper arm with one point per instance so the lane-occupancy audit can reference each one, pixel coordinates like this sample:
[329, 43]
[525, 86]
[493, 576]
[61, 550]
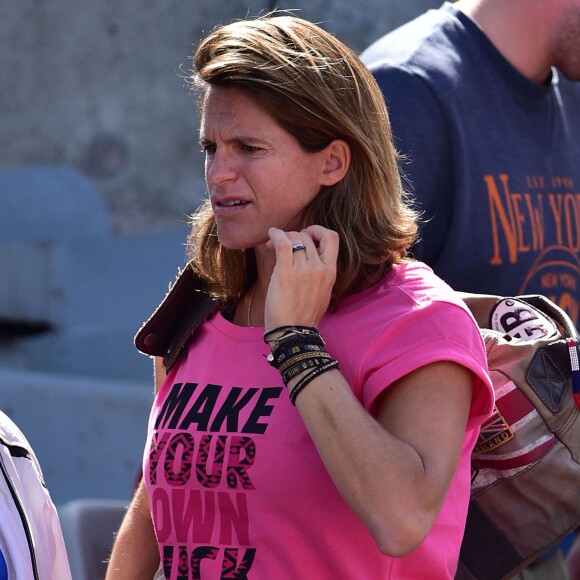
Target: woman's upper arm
[135, 554]
[428, 409]
[159, 372]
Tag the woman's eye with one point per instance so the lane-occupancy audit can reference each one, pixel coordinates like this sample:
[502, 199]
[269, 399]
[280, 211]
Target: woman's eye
[251, 149]
[208, 148]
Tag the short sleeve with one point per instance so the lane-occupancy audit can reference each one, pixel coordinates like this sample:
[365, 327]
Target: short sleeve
[439, 332]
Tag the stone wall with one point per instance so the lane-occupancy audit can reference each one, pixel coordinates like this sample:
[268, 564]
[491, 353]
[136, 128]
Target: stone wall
[99, 86]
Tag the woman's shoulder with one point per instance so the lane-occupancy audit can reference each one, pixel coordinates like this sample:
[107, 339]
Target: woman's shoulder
[410, 300]
[408, 285]
[420, 284]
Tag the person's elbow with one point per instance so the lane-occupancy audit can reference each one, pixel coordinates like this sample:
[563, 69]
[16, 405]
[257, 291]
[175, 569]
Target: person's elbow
[400, 536]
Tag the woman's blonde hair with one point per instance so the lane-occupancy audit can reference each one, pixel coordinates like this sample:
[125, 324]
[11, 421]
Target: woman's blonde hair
[318, 90]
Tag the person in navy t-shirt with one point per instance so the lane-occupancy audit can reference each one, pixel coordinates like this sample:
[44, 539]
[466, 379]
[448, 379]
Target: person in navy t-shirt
[484, 102]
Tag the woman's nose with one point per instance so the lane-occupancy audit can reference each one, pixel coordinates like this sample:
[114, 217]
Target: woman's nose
[219, 168]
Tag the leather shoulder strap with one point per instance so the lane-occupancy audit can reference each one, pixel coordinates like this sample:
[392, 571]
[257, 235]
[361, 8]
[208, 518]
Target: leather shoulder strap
[185, 306]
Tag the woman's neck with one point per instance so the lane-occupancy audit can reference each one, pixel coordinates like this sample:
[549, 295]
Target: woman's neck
[250, 309]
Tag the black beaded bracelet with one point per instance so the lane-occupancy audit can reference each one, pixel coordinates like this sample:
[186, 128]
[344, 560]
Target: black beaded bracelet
[292, 348]
[333, 364]
[289, 330]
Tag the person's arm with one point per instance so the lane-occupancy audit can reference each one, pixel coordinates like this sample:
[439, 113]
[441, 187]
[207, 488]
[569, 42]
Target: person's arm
[135, 554]
[393, 470]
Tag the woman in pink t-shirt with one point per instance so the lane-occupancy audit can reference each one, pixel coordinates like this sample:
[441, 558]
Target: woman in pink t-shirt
[318, 393]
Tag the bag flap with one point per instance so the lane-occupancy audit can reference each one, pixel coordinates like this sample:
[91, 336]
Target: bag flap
[184, 308]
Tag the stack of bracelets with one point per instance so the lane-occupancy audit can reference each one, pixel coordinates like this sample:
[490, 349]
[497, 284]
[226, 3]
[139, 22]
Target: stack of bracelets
[298, 349]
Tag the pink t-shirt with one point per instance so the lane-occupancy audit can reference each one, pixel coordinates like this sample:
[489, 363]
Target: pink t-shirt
[236, 486]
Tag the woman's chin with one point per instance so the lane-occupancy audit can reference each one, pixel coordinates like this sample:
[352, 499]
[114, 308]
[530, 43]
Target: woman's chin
[237, 244]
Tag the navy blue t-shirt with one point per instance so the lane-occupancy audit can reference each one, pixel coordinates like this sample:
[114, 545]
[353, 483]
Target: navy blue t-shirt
[3, 568]
[493, 158]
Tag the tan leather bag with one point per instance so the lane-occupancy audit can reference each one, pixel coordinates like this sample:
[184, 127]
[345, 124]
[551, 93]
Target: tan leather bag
[526, 465]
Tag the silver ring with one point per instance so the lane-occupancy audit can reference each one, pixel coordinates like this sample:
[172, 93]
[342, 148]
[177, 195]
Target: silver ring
[298, 246]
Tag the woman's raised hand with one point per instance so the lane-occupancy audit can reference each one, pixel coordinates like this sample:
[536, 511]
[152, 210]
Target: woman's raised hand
[303, 277]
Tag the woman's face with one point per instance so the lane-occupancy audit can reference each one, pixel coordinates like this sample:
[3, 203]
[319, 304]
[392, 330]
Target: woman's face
[257, 174]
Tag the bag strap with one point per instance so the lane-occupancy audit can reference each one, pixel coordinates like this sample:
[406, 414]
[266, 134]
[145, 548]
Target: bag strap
[185, 306]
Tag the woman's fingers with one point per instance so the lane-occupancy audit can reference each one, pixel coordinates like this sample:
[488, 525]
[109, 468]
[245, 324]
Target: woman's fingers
[326, 241]
[303, 277]
[282, 245]
[317, 241]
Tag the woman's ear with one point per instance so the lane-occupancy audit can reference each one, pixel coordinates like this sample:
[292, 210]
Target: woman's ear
[337, 161]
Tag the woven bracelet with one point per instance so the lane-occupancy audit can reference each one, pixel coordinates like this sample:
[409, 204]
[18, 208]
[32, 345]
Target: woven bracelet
[292, 361]
[309, 377]
[303, 365]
